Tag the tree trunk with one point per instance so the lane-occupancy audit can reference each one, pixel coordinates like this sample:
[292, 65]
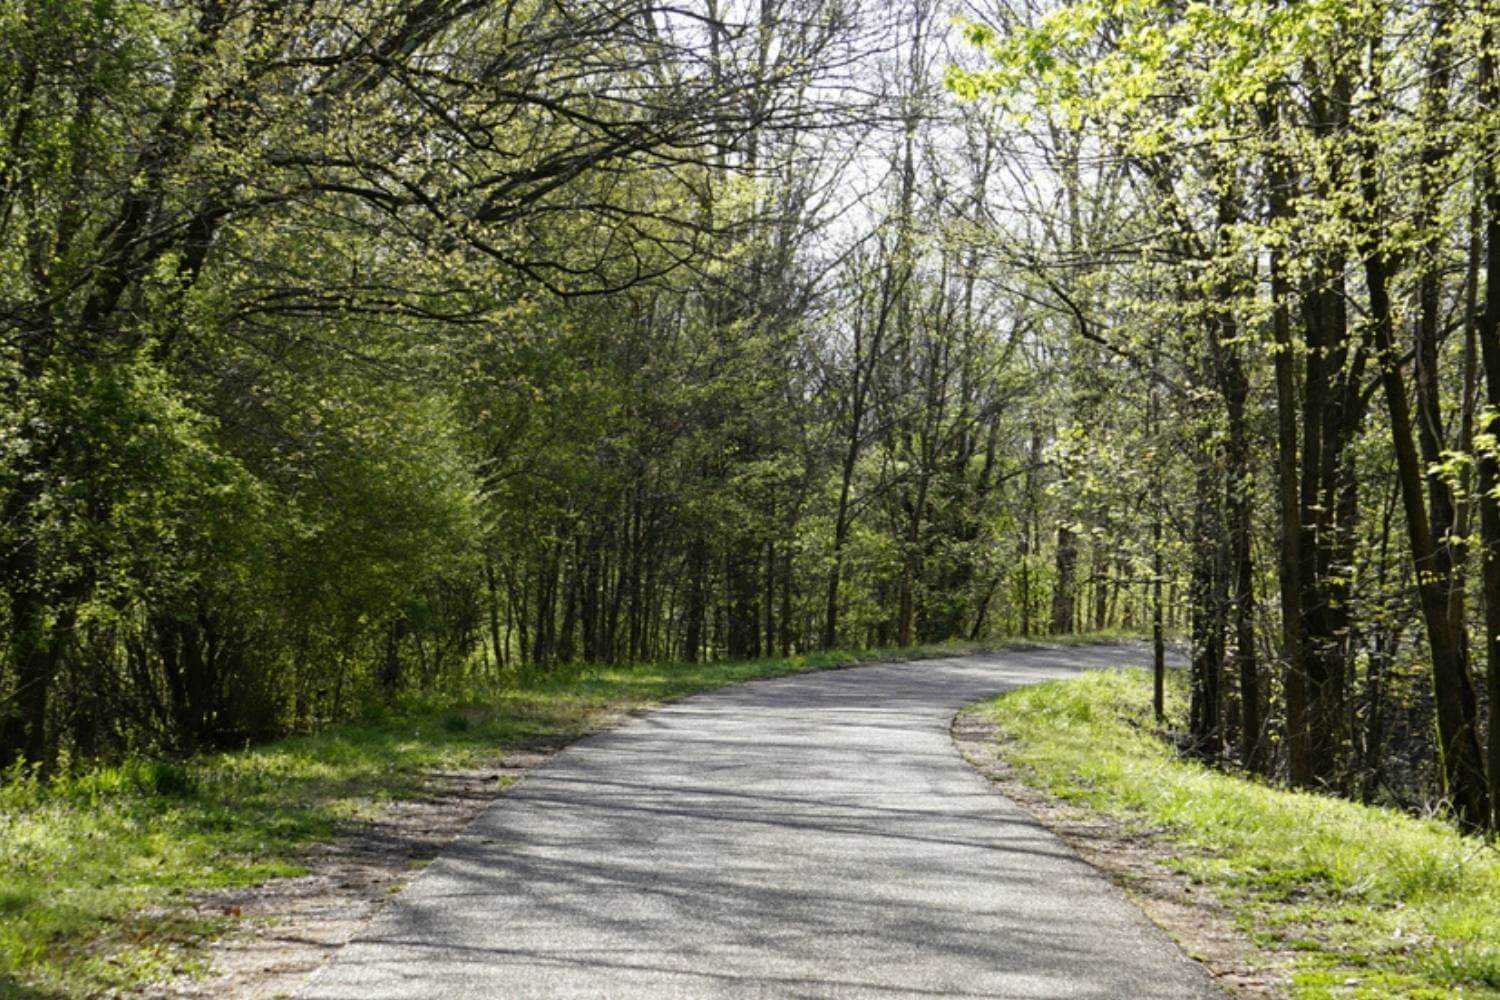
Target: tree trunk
[1457, 711]
[1489, 462]
[494, 611]
[786, 602]
[697, 605]
[1205, 719]
[1063, 598]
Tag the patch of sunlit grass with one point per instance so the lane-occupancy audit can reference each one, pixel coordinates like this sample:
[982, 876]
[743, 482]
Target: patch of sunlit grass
[1376, 903]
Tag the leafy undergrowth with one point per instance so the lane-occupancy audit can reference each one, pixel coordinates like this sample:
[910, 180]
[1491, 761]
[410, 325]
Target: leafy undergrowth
[95, 868]
[1372, 902]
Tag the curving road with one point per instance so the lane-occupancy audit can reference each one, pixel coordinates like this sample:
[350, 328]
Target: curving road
[813, 836]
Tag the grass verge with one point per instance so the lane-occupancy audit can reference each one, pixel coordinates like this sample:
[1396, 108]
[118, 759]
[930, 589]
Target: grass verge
[96, 869]
[1372, 902]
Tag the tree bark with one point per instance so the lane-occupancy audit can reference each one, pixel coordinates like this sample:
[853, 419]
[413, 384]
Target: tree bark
[1063, 597]
[1457, 711]
[1489, 463]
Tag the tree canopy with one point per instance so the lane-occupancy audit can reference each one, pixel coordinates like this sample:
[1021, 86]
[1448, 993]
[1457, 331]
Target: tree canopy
[353, 349]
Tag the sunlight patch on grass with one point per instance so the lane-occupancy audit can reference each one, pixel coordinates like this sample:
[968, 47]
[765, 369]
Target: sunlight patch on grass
[1377, 903]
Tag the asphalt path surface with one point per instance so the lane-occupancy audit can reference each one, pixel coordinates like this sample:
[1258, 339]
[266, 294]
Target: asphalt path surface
[811, 836]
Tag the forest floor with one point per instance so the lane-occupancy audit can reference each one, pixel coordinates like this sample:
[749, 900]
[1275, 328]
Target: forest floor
[233, 874]
[1279, 893]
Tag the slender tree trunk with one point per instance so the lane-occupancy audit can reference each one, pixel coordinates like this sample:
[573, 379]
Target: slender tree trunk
[1158, 633]
[697, 608]
[494, 611]
[1234, 386]
[786, 602]
[1100, 573]
[1457, 711]
[1288, 489]
[911, 562]
[768, 600]
[1205, 720]
[1025, 560]
[1488, 335]
[840, 537]
[1063, 596]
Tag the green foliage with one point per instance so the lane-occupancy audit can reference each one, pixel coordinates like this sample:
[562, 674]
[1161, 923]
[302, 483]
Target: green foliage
[354, 357]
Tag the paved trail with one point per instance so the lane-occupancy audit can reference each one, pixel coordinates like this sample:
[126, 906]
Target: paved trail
[814, 836]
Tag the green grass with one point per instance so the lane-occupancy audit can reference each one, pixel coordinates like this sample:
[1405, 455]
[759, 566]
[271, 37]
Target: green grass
[1373, 902]
[95, 869]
